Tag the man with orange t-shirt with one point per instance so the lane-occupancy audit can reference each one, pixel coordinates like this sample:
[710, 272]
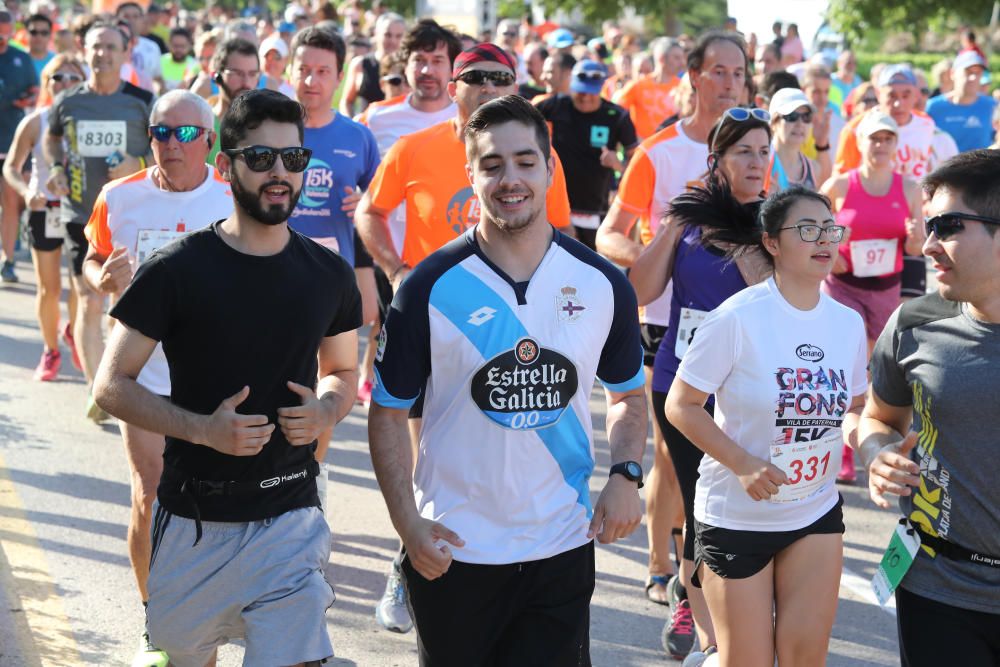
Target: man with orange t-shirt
[649, 99]
[426, 169]
[132, 217]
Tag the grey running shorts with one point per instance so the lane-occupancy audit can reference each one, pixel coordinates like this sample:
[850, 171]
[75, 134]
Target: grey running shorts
[262, 581]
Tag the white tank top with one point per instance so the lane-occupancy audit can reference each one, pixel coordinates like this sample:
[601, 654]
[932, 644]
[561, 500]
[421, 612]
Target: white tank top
[39, 167]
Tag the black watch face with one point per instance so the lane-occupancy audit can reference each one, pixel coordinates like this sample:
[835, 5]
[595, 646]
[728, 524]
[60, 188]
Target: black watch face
[634, 470]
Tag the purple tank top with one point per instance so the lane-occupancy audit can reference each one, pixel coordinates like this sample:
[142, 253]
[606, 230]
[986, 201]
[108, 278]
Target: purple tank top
[703, 278]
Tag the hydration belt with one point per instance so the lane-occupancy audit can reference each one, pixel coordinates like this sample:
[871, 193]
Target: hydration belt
[193, 488]
[952, 551]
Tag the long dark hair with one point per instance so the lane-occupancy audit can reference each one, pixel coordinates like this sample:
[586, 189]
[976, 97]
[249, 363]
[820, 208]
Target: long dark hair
[722, 219]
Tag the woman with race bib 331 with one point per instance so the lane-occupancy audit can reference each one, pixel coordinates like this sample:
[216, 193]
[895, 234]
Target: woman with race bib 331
[786, 364]
[880, 208]
[703, 276]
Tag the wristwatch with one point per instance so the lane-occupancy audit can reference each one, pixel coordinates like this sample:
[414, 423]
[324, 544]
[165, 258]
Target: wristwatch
[630, 470]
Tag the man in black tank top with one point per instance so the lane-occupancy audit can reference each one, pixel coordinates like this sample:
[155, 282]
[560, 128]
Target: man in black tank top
[362, 85]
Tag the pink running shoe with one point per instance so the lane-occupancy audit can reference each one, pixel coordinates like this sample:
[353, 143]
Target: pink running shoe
[847, 474]
[365, 393]
[48, 367]
[71, 344]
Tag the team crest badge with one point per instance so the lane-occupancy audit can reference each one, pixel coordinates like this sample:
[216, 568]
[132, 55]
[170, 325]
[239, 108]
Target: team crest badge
[568, 305]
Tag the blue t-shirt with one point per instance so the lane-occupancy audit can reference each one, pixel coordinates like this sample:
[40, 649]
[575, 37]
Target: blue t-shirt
[970, 125]
[344, 155]
[40, 63]
[17, 78]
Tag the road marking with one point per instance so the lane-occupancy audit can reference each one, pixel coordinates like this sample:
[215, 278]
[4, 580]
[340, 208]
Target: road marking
[863, 588]
[52, 636]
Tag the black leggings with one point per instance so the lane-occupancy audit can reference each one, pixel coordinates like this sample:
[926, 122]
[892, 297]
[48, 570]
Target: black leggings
[686, 458]
[933, 633]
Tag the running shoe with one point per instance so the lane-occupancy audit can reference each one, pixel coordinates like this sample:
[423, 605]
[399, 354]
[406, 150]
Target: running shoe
[365, 393]
[702, 658]
[48, 367]
[148, 655]
[391, 612]
[7, 272]
[71, 344]
[678, 633]
[847, 474]
[673, 590]
[95, 413]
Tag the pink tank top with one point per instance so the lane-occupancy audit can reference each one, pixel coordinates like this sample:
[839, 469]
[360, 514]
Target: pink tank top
[872, 219]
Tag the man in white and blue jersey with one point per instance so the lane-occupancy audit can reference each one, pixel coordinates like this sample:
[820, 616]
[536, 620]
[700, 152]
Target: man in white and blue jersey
[504, 331]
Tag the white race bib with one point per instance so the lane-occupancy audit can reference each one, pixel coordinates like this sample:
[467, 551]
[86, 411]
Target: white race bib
[100, 138]
[330, 242]
[809, 465]
[874, 257]
[149, 240]
[688, 323]
[54, 227]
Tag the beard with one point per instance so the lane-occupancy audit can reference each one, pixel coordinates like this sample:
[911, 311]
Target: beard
[510, 223]
[250, 202]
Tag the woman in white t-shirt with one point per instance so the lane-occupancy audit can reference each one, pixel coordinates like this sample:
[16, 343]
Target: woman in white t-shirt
[786, 364]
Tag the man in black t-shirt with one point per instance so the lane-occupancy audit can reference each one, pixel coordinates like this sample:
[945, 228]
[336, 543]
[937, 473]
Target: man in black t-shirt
[586, 132]
[250, 313]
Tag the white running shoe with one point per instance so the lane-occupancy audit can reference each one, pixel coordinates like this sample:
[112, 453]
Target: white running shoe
[706, 658]
[391, 612]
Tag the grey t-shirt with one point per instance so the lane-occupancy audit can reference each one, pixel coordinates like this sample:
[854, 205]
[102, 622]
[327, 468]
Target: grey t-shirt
[935, 357]
[94, 127]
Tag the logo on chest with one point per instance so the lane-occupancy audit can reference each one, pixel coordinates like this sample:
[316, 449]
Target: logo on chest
[569, 307]
[527, 387]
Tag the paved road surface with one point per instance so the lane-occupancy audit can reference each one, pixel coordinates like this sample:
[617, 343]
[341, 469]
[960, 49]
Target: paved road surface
[67, 595]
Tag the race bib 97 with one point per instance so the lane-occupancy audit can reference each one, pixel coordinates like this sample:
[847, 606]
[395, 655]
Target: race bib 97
[100, 138]
[873, 257]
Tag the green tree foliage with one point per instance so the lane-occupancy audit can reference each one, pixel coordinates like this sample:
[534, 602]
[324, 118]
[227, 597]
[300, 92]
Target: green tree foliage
[855, 19]
[662, 16]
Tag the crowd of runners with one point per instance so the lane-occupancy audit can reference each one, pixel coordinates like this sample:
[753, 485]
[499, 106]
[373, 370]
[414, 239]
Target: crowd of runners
[732, 234]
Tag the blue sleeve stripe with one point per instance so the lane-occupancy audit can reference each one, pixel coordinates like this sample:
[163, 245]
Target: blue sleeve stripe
[387, 400]
[637, 380]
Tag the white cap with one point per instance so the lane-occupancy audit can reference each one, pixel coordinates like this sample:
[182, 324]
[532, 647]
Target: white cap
[967, 59]
[273, 43]
[787, 100]
[294, 11]
[877, 120]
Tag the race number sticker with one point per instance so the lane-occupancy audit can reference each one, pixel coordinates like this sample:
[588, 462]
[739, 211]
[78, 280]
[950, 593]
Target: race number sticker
[874, 257]
[100, 138]
[896, 561]
[54, 227]
[809, 465]
[329, 242]
[149, 240]
[688, 324]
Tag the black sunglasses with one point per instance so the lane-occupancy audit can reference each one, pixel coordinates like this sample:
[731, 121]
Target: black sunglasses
[185, 133]
[945, 225]
[590, 76]
[393, 79]
[805, 116]
[59, 77]
[262, 158]
[869, 101]
[478, 77]
[39, 33]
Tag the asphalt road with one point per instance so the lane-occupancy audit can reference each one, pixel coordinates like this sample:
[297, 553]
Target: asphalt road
[67, 596]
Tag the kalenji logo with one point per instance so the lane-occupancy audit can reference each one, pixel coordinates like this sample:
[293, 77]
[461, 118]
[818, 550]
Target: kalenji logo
[808, 352]
[268, 483]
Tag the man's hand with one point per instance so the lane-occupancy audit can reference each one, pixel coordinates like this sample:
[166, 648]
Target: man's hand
[618, 508]
[421, 539]
[821, 127]
[610, 159]
[128, 166]
[116, 272]
[350, 202]
[34, 200]
[57, 183]
[231, 433]
[892, 471]
[302, 424]
[759, 478]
